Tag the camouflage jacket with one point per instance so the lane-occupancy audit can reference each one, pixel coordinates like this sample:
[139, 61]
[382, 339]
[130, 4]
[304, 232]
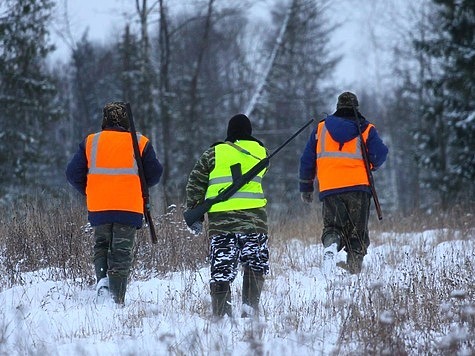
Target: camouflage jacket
[235, 221]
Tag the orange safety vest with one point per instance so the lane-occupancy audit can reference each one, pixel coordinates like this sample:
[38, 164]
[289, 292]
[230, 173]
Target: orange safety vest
[339, 168]
[113, 182]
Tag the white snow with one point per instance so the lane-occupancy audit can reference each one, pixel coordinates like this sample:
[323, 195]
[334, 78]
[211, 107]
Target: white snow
[302, 313]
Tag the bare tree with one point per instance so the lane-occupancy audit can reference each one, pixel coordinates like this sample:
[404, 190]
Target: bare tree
[165, 95]
[205, 71]
[144, 109]
[294, 88]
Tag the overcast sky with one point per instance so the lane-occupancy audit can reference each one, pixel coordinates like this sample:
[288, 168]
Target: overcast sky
[105, 19]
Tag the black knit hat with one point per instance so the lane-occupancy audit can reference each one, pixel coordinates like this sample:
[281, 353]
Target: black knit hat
[347, 100]
[239, 128]
[115, 114]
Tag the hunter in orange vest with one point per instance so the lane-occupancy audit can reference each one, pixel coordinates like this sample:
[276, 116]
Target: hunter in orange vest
[333, 159]
[104, 169]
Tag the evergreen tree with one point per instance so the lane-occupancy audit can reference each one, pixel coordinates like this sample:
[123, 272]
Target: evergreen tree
[449, 115]
[96, 80]
[27, 96]
[403, 111]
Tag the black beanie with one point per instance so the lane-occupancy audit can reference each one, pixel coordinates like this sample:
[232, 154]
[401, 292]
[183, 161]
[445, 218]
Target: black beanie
[239, 128]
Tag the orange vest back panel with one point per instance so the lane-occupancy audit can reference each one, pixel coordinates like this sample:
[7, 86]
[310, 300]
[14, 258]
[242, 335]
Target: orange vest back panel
[339, 168]
[113, 182]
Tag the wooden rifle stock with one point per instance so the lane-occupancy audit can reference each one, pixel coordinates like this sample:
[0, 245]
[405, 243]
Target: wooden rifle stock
[143, 183]
[367, 167]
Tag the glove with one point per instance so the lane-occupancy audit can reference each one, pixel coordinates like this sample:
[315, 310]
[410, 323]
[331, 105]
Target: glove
[307, 197]
[196, 227]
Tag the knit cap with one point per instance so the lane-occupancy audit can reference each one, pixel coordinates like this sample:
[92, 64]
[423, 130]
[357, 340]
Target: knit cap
[347, 100]
[115, 114]
[239, 128]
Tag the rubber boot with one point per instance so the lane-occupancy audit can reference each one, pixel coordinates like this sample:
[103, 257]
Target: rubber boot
[100, 267]
[221, 298]
[355, 262]
[331, 244]
[117, 287]
[331, 238]
[252, 284]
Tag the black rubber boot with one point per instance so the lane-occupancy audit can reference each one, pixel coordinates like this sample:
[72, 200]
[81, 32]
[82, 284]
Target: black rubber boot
[100, 267]
[221, 298]
[331, 238]
[117, 287]
[252, 284]
[355, 262]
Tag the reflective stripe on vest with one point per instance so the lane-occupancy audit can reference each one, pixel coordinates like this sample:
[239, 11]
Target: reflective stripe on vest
[250, 195]
[93, 169]
[220, 180]
[112, 180]
[356, 153]
[339, 167]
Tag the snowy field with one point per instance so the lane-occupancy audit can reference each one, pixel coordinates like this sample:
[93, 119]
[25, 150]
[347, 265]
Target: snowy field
[416, 293]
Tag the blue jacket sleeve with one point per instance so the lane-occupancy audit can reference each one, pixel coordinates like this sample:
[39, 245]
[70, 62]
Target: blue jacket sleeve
[377, 150]
[76, 171]
[151, 165]
[307, 168]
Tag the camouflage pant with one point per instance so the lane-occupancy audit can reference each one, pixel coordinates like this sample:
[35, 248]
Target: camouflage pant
[346, 215]
[113, 248]
[228, 250]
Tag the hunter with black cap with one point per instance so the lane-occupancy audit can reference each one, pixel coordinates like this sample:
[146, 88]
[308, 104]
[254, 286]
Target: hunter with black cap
[333, 157]
[237, 227]
[105, 170]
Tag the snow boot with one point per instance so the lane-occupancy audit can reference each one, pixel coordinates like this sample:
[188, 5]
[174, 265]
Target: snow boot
[117, 287]
[252, 284]
[100, 267]
[221, 298]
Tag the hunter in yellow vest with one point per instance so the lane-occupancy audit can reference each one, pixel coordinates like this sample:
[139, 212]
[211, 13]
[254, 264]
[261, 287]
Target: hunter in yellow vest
[238, 154]
[237, 227]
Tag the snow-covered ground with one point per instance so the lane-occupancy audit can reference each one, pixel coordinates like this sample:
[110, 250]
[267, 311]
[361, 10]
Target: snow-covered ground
[303, 312]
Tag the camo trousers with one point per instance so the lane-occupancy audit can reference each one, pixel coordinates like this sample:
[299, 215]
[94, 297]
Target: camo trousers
[228, 250]
[113, 248]
[346, 216]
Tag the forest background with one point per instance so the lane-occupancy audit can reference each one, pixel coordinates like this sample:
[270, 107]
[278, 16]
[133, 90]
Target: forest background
[187, 69]
[187, 66]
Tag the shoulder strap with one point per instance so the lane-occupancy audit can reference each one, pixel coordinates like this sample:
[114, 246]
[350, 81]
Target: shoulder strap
[240, 149]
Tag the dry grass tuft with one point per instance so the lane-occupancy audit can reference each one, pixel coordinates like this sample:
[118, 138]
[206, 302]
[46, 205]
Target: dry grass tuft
[421, 307]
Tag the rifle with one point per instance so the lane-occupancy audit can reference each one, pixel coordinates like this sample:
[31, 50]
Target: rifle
[143, 183]
[198, 211]
[367, 167]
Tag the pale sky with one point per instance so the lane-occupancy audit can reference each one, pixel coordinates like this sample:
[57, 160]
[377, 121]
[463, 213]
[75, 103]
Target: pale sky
[105, 18]
[99, 16]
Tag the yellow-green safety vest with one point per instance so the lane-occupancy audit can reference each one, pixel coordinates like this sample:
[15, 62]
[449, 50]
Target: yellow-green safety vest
[251, 195]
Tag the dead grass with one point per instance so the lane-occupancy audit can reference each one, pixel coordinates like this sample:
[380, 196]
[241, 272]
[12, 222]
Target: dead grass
[49, 234]
[397, 316]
